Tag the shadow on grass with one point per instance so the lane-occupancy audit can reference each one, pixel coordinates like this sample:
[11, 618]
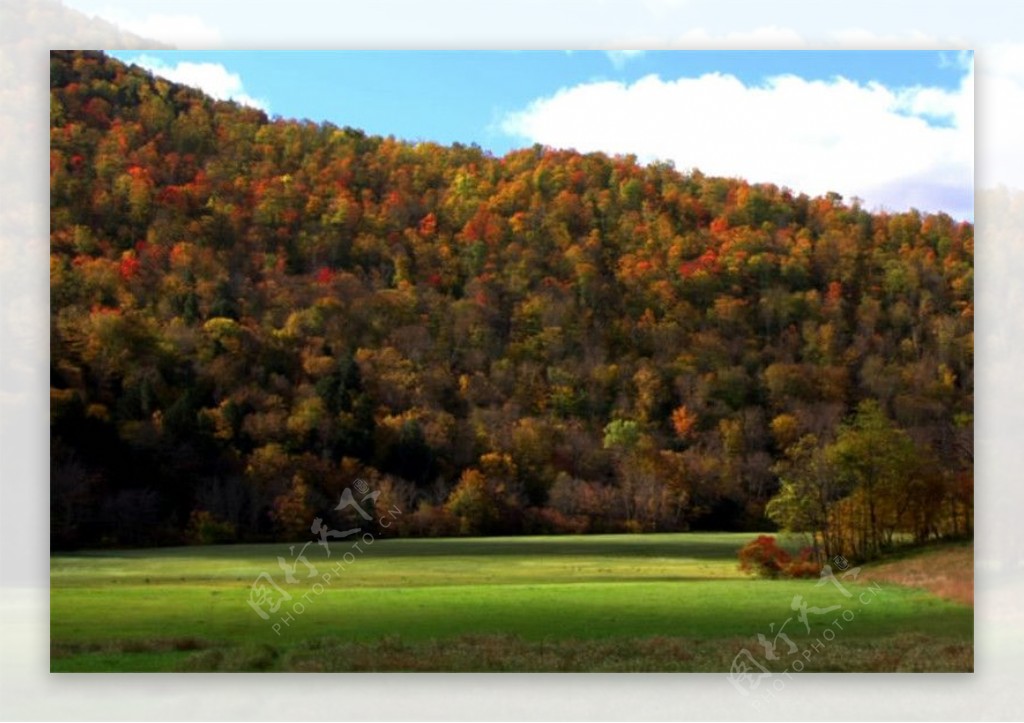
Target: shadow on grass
[509, 653]
[129, 645]
[705, 546]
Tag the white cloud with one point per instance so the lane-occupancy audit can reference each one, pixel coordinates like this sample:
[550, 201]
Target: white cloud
[619, 58]
[962, 59]
[870, 40]
[894, 148]
[186, 31]
[1001, 115]
[768, 36]
[212, 78]
[189, 31]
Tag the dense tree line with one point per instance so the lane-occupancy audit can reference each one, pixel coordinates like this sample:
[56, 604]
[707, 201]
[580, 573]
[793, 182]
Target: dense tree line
[248, 313]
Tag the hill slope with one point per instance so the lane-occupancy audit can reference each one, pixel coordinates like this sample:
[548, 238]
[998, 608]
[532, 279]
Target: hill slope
[249, 313]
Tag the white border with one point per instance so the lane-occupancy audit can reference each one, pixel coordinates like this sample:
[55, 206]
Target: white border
[27, 691]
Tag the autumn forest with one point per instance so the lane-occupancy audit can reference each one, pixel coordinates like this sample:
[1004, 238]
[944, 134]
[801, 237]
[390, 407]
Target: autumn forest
[249, 312]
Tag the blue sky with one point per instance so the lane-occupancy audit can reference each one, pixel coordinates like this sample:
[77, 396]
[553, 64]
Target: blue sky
[810, 120]
[449, 96]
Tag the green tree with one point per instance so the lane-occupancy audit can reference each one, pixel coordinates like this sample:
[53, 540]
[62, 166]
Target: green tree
[808, 488]
[880, 462]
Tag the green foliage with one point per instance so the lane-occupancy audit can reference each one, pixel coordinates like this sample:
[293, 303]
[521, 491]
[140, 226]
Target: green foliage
[622, 434]
[857, 494]
[809, 485]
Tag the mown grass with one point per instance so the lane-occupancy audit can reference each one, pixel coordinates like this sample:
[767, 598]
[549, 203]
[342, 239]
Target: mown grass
[657, 602]
[424, 562]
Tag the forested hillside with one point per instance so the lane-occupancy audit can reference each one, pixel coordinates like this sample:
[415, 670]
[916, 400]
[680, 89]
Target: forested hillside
[248, 313]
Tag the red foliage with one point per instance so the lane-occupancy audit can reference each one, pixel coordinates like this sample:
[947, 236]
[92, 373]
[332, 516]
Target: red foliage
[763, 557]
[172, 196]
[97, 111]
[802, 568]
[548, 521]
[129, 266]
[428, 225]
[706, 262]
[99, 310]
[805, 565]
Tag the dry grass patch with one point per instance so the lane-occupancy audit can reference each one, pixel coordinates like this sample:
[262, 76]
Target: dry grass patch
[947, 572]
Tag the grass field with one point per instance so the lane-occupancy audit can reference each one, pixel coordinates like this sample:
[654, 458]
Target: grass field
[673, 602]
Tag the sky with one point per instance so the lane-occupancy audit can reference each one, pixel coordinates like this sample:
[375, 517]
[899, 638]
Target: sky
[892, 128]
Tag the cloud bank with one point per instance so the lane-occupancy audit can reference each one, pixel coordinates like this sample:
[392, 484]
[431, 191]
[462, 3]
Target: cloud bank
[182, 30]
[894, 148]
[1000, 141]
[212, 78]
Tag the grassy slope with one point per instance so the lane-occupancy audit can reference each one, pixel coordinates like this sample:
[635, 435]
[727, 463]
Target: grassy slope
[665, 602]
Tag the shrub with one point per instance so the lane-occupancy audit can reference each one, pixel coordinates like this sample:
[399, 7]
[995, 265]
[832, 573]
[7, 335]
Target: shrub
[803, 566]
[205, 529]
[763, 557]
[549, 521]
[430, 521]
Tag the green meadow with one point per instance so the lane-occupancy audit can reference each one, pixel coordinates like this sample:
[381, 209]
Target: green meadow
[667, 602]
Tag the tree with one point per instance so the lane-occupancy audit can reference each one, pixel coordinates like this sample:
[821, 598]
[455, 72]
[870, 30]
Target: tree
[621, 435]
[880, 463]
[808, 489]
[684, 423]
[292, 512]
[473, 503]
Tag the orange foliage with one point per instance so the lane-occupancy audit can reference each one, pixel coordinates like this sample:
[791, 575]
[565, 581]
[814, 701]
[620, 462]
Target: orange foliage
[683, 422]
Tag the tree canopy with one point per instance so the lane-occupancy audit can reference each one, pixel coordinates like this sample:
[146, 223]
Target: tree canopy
[247, 313]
